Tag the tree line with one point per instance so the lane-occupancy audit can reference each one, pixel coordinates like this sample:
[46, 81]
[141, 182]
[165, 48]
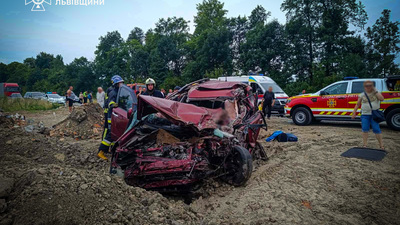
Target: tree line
[321, 42]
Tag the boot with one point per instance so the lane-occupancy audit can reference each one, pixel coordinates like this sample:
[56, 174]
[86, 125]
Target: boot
[101, 155]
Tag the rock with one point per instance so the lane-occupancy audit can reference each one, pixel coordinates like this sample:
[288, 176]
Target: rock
[84, 186]
[60, 157]
[3, 205]
[42, 171]
[29, 128]
[6, 185]
[9, 142]
[108, 178]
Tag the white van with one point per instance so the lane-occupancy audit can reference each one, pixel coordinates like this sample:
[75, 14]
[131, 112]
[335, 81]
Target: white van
[261, 85]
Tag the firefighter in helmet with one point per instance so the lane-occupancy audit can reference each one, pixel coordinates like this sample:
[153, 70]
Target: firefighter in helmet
[151, 89]
[110, 103]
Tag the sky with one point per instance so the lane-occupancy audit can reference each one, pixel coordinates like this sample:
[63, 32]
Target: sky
[74, 31]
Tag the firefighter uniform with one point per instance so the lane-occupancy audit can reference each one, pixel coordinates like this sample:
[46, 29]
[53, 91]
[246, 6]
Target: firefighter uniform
[109, 104]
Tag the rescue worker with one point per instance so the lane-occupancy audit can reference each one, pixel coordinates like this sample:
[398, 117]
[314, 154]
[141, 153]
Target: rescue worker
[151, 89]
[110, 103]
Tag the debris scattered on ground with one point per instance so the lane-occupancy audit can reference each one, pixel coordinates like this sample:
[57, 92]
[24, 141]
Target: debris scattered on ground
[84, 122]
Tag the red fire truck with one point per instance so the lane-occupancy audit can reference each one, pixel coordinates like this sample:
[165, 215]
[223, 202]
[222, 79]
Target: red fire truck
[337, 101]
[7, 89]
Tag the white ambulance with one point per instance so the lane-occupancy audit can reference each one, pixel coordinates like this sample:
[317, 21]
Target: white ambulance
[261, 85]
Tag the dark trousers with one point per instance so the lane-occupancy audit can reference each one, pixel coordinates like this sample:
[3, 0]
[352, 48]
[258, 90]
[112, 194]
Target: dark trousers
[106, 136]
[267, 109]
[85, 100]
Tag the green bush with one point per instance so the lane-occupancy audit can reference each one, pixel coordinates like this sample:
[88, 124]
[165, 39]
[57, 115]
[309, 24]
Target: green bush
[11, 105]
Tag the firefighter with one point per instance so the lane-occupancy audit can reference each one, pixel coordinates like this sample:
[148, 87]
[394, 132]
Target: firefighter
[151, 89]
[110, 103]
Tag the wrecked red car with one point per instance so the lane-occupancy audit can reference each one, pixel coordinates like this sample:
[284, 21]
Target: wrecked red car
[174, 144]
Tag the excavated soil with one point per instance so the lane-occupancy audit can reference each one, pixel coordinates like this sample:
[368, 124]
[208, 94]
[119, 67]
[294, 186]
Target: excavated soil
[58, 180]
[84, 122]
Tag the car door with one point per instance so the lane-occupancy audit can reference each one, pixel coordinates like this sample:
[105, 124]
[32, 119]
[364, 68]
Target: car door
[333, 100]
[126, 100]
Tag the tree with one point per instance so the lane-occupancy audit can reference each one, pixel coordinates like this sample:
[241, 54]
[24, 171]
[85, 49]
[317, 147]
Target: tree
[136, 34]
[384, 39]
[264, 50]
[303, 19]
[258, 16]
[210, 15]
[111, 57]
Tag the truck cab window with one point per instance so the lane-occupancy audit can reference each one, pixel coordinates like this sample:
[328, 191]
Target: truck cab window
[337, 89]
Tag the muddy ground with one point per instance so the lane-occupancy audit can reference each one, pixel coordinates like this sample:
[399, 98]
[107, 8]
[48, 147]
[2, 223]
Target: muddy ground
[58, 180]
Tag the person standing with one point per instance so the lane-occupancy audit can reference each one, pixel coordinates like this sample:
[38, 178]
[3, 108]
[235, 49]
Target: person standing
[140, 91]
[163, 92]
[367, 120]
[85, 95]
[70, 101]
[268, 102]
[90, 97]
[81, 97]
[117, 82]
[151, 89]
[100, 96]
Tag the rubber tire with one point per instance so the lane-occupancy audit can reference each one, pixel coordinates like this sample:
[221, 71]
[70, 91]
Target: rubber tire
[244, 169]
[308, 116]
[390, 115]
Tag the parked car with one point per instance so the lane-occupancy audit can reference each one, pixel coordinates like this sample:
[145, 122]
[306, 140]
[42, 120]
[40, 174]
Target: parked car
[55, 98]
[337, 101]
[15, 95]
[35, 95]
[174, 144]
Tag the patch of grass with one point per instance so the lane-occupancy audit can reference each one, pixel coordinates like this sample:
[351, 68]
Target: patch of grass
[11, 105]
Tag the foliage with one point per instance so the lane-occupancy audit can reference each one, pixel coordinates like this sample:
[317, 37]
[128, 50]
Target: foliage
[12, 105]
[316, 46]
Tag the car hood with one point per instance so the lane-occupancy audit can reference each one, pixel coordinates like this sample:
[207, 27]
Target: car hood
[179, 113]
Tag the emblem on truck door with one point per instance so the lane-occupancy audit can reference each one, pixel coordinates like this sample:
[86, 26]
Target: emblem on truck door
[331, 103]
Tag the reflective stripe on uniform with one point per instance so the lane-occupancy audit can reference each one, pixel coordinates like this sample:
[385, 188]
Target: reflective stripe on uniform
[105, 133]
[111, 103]
[106, 143]
[109, 120]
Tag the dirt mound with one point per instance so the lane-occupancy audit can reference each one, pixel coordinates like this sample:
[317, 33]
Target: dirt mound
[50, 181]
[84, 122]
[6, 122]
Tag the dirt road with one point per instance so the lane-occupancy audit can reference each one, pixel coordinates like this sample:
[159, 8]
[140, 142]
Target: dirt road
[53, 180]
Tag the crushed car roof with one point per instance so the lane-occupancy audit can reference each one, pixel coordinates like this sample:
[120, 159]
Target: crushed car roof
[214, 89]
[180, 113]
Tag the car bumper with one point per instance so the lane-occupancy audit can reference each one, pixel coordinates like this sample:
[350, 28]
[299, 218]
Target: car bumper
[287, 111]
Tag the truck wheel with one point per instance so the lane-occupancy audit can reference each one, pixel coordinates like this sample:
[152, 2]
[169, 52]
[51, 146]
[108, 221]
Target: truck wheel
[393, 119]
[302, 116]
[238, 166]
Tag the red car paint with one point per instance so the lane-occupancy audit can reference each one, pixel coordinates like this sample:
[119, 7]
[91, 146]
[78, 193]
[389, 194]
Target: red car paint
[193, 158]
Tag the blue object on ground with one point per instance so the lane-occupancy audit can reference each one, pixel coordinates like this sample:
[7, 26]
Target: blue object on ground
[273, 136]
[365, 153]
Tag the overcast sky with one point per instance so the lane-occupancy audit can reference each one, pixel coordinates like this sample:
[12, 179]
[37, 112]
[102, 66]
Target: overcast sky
[73, 31]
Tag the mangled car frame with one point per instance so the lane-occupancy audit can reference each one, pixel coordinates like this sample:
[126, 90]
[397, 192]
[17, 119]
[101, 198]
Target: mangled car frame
[206, 129]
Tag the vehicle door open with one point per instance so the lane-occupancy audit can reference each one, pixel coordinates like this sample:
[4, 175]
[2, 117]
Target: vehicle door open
[126, 100]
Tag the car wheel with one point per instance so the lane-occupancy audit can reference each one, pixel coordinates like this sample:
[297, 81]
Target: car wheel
[302, 116]
[238, 166]
[393, 119]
